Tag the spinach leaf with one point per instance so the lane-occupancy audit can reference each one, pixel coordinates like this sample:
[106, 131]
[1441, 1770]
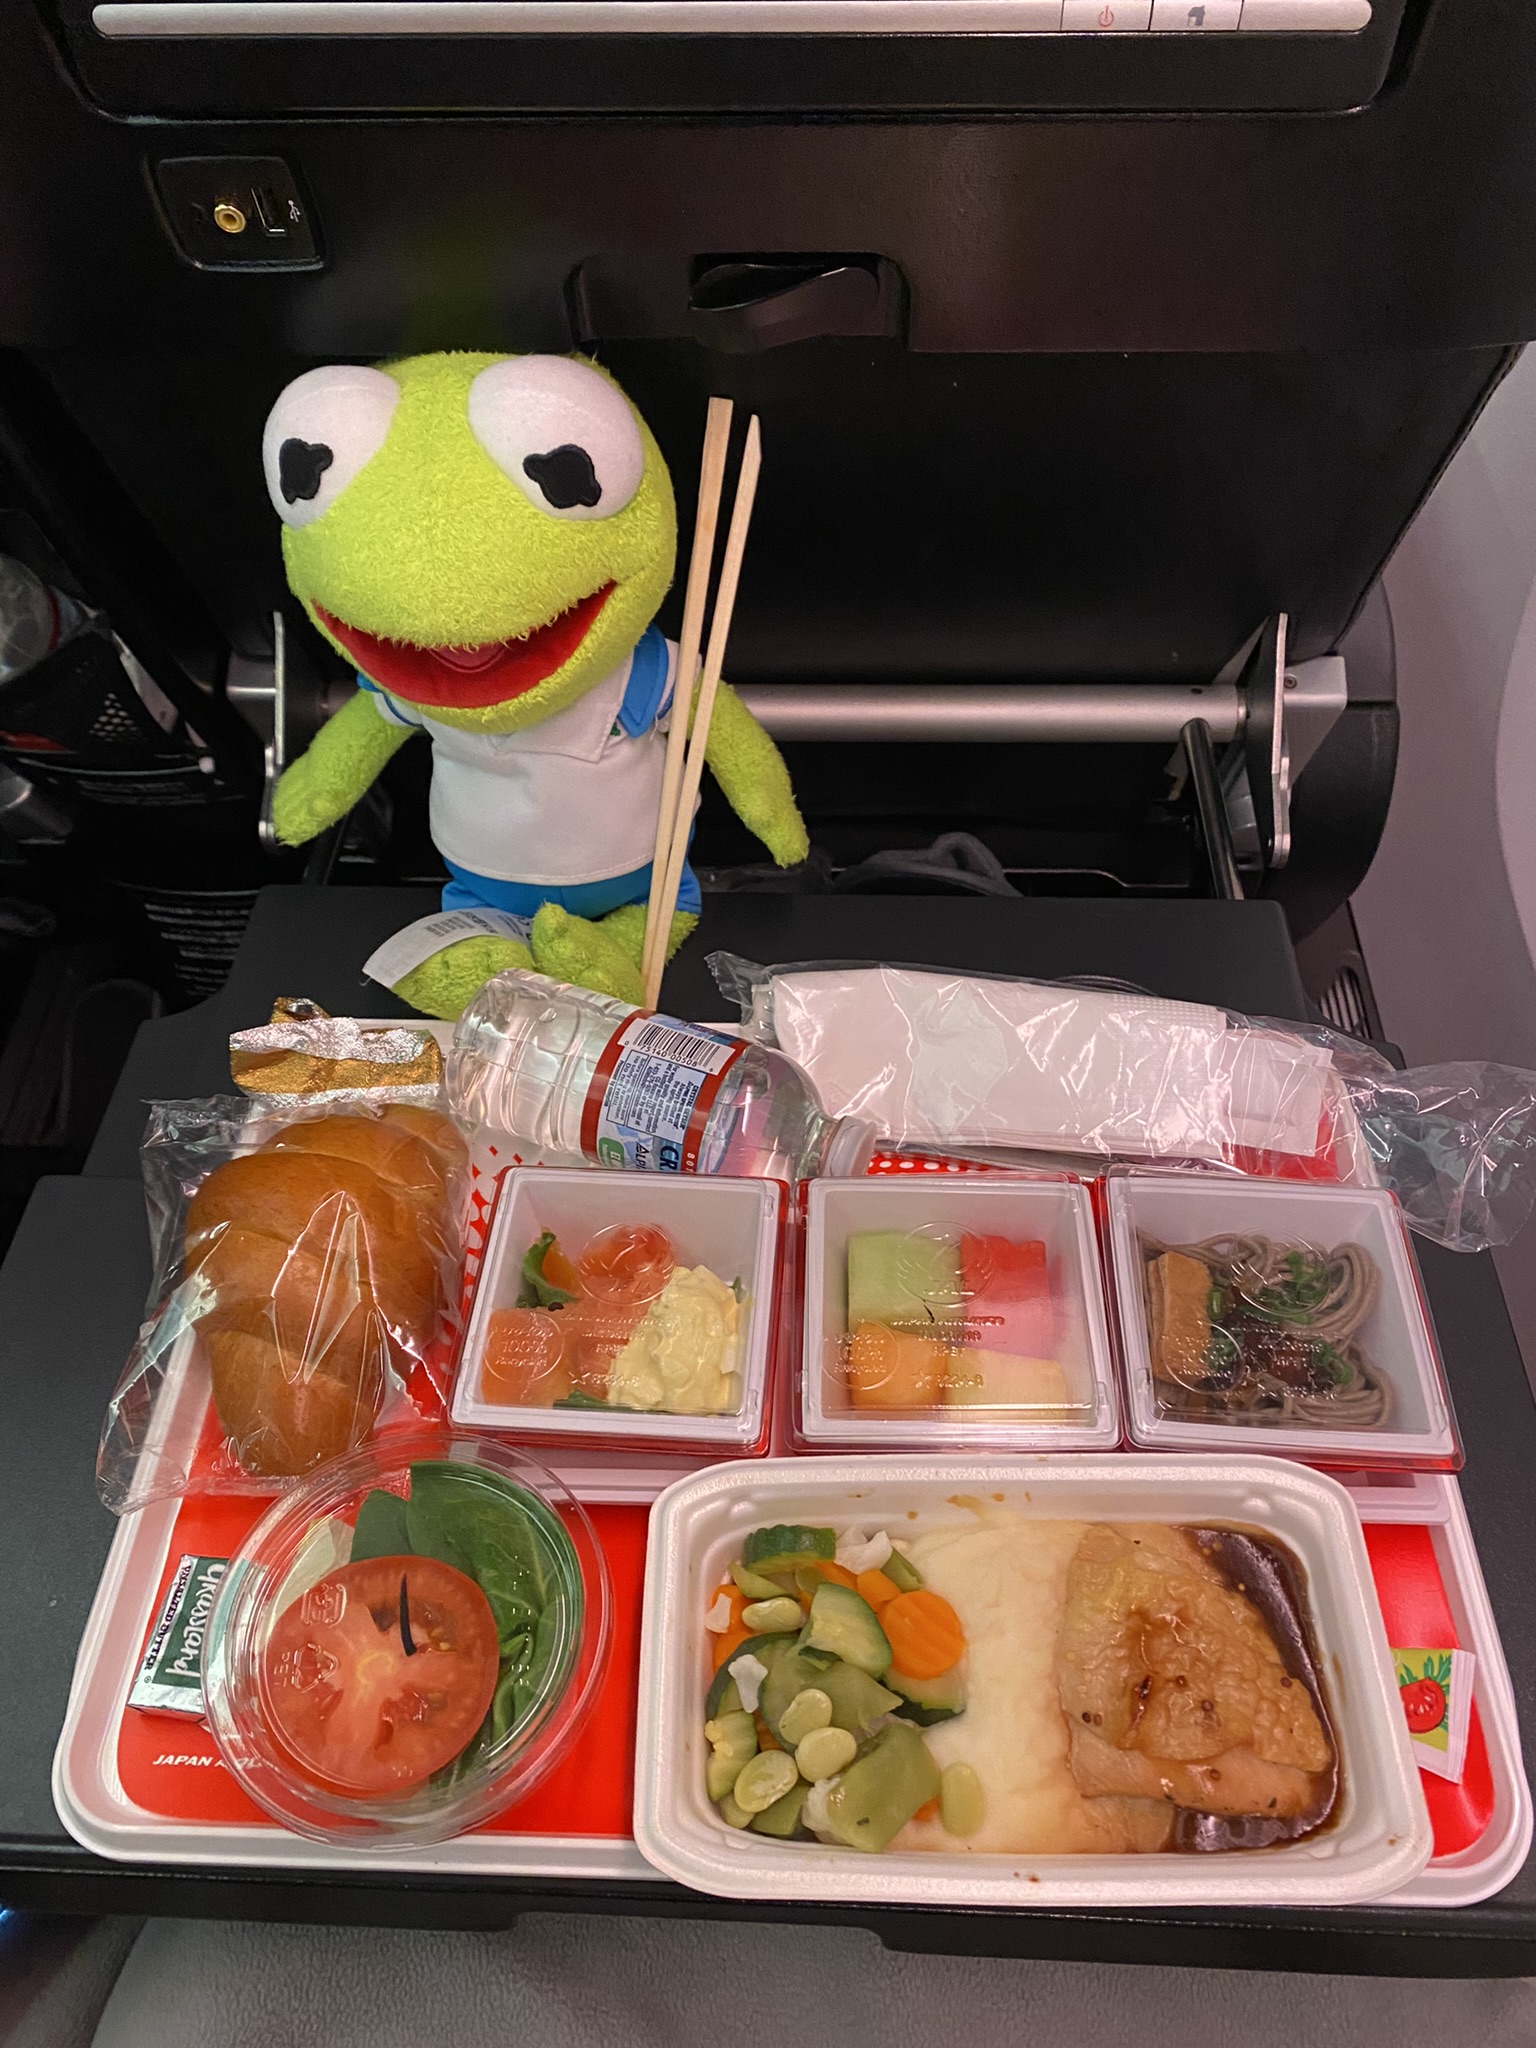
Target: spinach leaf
[536, 1291]
[501, 1536]
[579, 1398]
[381, 1528]
[517, 1621]
[523, 1674]
[485, 1527]
[504, 1706]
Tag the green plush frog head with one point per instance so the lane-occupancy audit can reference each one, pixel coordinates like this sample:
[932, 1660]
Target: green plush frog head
[484, 537]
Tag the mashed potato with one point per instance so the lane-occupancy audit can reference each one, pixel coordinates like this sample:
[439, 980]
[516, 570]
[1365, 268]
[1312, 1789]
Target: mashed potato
[1006, 1579]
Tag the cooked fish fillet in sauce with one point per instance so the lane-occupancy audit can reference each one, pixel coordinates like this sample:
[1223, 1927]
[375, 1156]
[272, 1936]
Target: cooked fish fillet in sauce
[1124, 1694]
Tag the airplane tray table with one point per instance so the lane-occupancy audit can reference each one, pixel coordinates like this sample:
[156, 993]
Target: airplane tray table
[63, 1343]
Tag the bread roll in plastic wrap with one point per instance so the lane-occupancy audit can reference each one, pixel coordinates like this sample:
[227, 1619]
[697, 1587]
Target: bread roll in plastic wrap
[319, 1261]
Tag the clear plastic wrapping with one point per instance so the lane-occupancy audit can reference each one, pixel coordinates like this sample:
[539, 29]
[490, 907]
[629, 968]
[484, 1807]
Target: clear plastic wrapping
[306, 1279]
[999, 1063]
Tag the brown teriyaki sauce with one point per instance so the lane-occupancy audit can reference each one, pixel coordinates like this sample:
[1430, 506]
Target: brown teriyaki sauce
[1264, 1573]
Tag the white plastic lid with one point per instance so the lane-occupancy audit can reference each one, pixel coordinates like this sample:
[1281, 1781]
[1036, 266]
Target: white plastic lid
[1176, 1212]
[1034, 1375]
[729, 1226]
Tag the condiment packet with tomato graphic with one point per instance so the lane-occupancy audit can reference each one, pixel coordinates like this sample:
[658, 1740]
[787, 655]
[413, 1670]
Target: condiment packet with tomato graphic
[1436, 1689]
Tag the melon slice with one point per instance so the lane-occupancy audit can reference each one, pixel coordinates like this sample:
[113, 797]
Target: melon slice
[1033, 1389]
[904, 1279]
[894, 1368]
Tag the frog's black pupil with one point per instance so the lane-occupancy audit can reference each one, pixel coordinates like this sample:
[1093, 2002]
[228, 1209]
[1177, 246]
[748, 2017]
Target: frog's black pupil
[300, 466]
[565, 475]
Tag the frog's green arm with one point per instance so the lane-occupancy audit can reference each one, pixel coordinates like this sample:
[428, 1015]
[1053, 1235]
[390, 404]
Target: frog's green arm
[341, 764]
[750, 769]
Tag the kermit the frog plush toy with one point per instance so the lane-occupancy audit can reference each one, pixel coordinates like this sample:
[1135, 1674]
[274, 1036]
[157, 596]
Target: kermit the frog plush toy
[486, 539]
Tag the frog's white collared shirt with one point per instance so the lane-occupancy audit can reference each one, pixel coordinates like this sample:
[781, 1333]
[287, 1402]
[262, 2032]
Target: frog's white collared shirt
[571, 800]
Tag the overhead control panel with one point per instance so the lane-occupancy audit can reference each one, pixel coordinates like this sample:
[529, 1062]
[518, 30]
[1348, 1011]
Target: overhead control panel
[211, 58]
[176, 20]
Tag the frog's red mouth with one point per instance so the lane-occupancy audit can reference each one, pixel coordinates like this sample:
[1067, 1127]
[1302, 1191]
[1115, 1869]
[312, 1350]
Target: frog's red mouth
[466, 678]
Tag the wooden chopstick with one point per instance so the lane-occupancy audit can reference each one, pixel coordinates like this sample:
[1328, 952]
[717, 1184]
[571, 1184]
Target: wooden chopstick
[717, 434]
[714, 661]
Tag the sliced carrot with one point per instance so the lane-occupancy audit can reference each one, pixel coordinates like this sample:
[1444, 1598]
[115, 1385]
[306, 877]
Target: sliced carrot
[924, 1633]
[726, 1644]
[765, 1735]
[837, 1573]
[876, 1588]
[929, 1810]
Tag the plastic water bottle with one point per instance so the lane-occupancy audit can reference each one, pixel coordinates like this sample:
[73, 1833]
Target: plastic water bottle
[581, 1079]
[34, 618]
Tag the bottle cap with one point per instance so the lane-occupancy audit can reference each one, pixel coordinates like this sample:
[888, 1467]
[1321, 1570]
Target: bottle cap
[849, 1148]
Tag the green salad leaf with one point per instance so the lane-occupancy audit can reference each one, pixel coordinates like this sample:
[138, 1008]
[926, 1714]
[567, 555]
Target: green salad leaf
[579, 1398]
[464, 1512]
[499, 1535]
[380, 1530]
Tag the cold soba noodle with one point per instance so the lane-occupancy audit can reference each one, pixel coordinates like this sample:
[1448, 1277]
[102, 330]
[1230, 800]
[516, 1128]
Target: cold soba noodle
[1247, 1330]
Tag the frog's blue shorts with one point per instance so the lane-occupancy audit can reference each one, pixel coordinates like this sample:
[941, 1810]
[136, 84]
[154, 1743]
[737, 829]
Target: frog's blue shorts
[464, 891]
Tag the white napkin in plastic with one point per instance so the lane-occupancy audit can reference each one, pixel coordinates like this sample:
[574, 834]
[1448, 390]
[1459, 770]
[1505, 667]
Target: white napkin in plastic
[947, 1057]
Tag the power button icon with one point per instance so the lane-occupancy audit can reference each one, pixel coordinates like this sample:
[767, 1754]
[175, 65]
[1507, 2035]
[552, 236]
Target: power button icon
[1108, 17]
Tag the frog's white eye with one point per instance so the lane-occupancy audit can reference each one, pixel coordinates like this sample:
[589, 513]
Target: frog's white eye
[564, 435]
[321, 431]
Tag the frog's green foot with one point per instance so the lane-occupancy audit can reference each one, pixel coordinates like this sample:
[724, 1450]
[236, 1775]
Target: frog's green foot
[442, 985]
[627, 926]
[602, 955]
[577, 950]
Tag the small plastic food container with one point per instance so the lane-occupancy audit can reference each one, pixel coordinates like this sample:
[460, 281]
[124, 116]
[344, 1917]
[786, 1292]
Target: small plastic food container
[451, 1549]
[1306, 1335]
[963, 1312]
[1377, 1836]
[621, 1366]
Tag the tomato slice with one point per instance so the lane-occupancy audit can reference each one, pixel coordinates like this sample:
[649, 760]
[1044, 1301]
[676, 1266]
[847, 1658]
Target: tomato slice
[628, 1263]
[360, 1708]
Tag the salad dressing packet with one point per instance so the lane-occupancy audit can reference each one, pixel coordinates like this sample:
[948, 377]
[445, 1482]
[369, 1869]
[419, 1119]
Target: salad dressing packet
[170, 1674]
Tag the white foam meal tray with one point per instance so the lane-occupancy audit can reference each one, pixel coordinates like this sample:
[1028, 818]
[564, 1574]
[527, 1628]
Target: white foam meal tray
[93, 1806]
[1378, 1841]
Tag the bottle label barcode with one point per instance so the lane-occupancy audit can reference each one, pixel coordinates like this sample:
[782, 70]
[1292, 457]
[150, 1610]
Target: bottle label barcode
[652, 1092]
[701, 1049]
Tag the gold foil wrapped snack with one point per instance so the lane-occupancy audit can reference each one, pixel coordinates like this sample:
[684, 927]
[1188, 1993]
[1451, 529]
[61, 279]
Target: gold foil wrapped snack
[306, 1051]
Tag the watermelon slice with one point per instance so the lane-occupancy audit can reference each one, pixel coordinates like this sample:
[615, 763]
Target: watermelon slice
[1006, 1289]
